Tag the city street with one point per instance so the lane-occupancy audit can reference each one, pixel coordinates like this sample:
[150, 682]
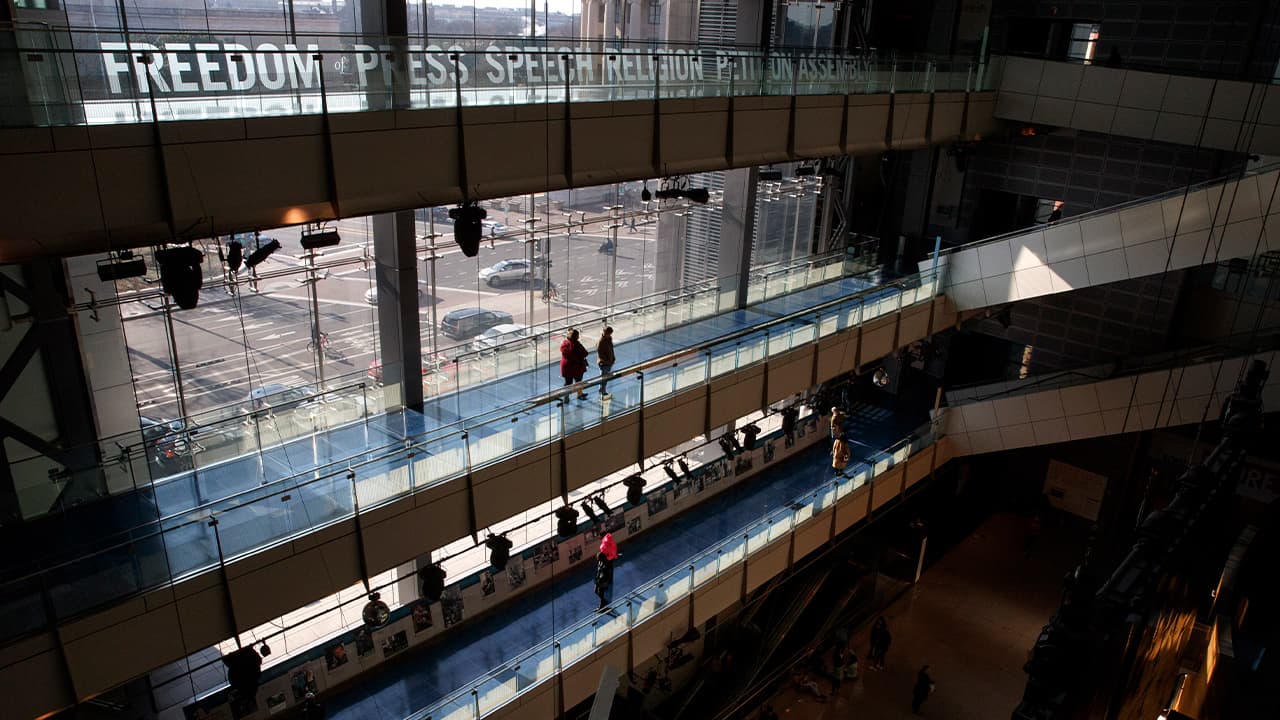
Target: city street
[266, 335]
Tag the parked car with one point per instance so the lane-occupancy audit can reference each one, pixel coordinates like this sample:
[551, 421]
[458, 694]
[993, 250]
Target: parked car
[506, 271]
[500, 335]
[492, 227]
[276, 395]
[430, 364]
[371, 296]
[468, 322]
[167, 442]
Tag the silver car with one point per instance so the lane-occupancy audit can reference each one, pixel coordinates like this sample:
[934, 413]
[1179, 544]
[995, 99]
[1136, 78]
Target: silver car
[500, 335]
[506, 271]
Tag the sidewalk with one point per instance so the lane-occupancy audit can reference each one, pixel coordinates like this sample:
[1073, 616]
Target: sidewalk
[972, 618]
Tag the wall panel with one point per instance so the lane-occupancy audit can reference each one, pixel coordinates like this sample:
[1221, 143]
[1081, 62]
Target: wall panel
[717, 595]
[764, 564]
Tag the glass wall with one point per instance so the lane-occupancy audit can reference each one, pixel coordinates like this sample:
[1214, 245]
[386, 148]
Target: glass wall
[298, 324]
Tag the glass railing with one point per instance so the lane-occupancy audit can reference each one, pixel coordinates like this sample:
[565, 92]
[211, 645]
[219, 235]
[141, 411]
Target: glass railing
[1260, 169]
[579, 641]
[164, 457]
[61, 584]
[93, 78]
[1240, 345]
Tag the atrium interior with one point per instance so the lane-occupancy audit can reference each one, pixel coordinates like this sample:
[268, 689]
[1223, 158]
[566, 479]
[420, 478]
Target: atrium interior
[462, 359]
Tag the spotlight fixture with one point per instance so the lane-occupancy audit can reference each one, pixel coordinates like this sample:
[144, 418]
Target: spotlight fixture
[635, 489]
[375, 612]
[804, 170]
[749, 435]
[120, 266]
[244, 671]
[645, 195]
[670, 471]
[699, 195]
[467, 230]
[604, 507]
[567, 521]
[264, 650]
[499, 551]
[235, 255]
[684, 466]
[790, 415]
[431, 582]
[590, 511]
[262, 253]
[727, 446]
[180, 274]
[318, 237]
[770, 175]
[880, 378]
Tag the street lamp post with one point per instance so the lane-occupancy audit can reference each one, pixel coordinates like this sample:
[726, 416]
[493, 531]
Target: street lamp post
[309, 261]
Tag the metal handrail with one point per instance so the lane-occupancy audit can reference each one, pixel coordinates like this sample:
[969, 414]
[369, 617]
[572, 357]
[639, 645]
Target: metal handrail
[1098, 212]
[460, 426]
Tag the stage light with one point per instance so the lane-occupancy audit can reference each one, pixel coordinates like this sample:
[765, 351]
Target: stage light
[431, 582]
[591, 513]
[121, 266]
[235, 255]
[375, 613]
[726, 446]
[684, 466]
[264, 650]
[770, 175]
[749, 435]
[467, 231]
[244, 671]
[645, 195]
[635, 489]
[318, 238]
[567, 521]
[804, 171]
[671, 472]
[790, 415]
[604, 507]
[180, 274]
[262, 253]
[698, 195]
[880, 378]
[499, 551]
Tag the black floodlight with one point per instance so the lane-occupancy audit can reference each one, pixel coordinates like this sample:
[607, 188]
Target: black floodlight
[121, 266]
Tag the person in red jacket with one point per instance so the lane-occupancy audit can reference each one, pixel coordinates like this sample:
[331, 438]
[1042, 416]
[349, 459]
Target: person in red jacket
[573, 362]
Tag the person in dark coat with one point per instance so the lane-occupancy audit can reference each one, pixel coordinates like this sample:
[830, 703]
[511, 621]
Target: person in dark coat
[922, 690]
[573, 362]
[604, 579]
[605, 359]
[880, 639]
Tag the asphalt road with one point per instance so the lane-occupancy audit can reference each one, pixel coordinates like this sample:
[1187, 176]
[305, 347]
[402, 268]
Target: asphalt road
[228, 339]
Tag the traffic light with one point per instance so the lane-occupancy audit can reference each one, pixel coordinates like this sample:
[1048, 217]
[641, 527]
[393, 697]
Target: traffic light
[244, 670]
[499, 551]
[467, 230]
[635, 489]
[567, 521]
[431, 582]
